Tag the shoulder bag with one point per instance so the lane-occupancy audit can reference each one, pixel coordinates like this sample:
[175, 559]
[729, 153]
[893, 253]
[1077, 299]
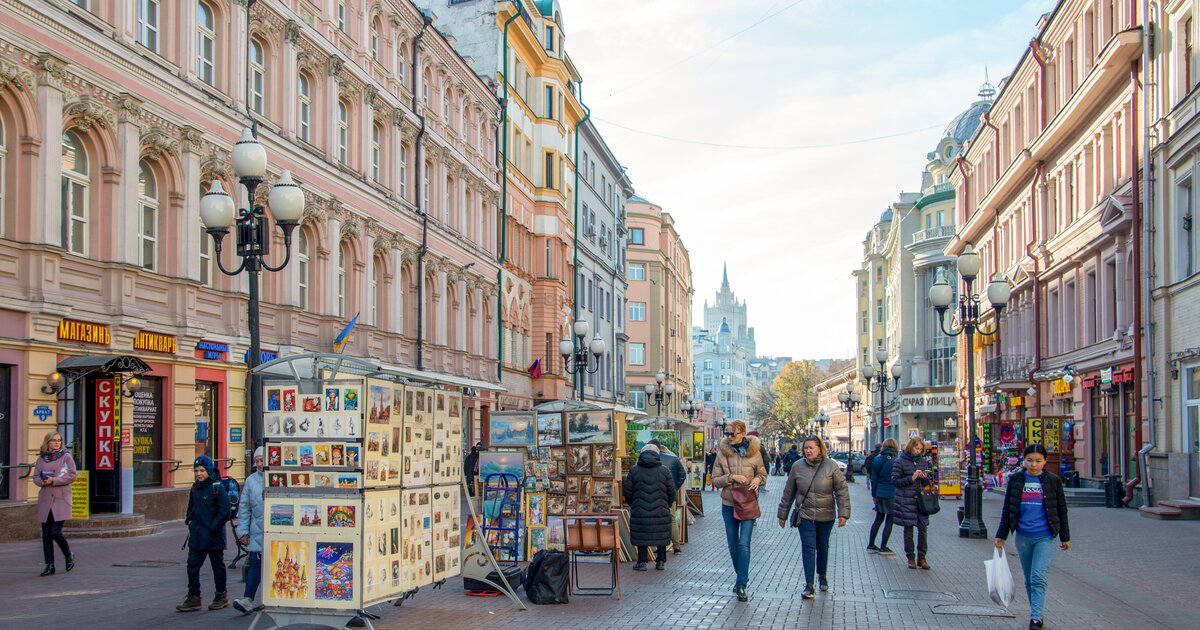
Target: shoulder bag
[927, 501]
[800, 504]
[745, 503]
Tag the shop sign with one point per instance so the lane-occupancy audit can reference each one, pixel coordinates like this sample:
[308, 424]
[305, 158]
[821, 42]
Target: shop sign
[1051, 435]
[105, 427]
[80, 510]
[42, 412]
[84, 332]
[154, 342]
[1106, 376]
[986, 446]
[928, 402]
[950, 423]
[126, 437]
[1061, 387]
[1016, 401]
[235, 435]
[1034, 436]
[213, 351]
[264, 356]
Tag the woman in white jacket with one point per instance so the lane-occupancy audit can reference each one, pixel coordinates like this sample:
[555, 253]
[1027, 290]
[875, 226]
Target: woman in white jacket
[250, 532]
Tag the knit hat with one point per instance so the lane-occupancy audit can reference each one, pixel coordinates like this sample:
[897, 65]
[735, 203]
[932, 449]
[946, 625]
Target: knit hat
[206, 462]
[258, 452]
[649, 447]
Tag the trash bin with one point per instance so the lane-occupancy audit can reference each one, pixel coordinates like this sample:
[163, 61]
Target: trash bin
[1114, 493]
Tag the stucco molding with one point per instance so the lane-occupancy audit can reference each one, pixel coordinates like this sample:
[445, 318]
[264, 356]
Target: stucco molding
[156, 143]
[192, 139]
[88, 112]
[18, 77]
[52, 70]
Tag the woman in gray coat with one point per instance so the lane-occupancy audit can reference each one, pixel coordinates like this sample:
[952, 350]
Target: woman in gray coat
[250, 532]
[818, 489]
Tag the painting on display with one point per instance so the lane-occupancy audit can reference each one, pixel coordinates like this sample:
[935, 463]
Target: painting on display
[635, 440]
[511, 430]
[556, 538]
[287, 572]
[549, 430]
[589, 427]
[535, 509]
[604, 460]
[496, 462]
[334, 575]
[698, 444]
[580, 459]
[379, 408]
[537, 542]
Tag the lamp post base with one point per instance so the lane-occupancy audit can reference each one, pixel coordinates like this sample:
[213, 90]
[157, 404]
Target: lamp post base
[972, 525]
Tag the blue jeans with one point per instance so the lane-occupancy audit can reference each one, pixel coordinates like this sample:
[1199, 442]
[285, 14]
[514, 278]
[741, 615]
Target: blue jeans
[738, 534]
[814, 547]
[1036, 554]
[253, 573]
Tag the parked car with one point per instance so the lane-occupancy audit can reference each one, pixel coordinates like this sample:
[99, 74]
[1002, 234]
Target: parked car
[847, 458]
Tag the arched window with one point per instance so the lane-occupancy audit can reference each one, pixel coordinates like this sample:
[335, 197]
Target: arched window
[376, 152]
[206, 44]
[400, 66]
[302, 261]
[147, 217]
[425, 187]
[341, 281]
[466, 124]
[375, 39]
[74, 203]
[206, 249]
[403, 157]
[426, 80]
[305, 109]
[147, 23]
[446, 99]
[3, 173]
[258, 77]
[343, 133]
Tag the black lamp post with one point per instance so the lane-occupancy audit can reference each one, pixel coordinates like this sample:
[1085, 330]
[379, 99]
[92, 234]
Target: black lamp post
[219, 213]
[691, 408]
[941, 295]
[657, 393]
[849, 400]
[879, 382]
[822, 420]
[578, 357]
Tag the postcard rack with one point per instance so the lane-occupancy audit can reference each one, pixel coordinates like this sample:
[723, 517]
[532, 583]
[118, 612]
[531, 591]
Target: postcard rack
[502, 505]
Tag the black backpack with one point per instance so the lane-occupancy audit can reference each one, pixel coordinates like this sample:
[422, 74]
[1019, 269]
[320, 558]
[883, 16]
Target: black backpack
[547, 580]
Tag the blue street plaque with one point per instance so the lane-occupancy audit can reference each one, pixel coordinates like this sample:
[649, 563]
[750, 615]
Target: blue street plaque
[235, 435]
[43, 412]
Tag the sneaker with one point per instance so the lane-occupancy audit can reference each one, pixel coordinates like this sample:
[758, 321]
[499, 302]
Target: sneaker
[641, 566]
[808, 592]
[191, 604]
[660, 566]
[884, 551]
[1035, 623]
[219, 602]
[244, 605]
[823, 583]
[871, 548]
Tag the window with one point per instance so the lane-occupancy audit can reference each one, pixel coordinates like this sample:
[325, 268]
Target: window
[374, 288]
[548, 175]
[637, 399]
[726, 379]
[400, 65]
[549, 259]
[548, 105]
[258, 76]
[148, 217]
[1191, 412]
[637, 271]
[708, 380]
[864, 322]
[74, 203]
[637, 354]
[305, 110]
[3, 154]
[375, 152]
[302, 262]
[343, 133]
[1187, 55]
[403, 171]
[447, 98]
[637, 311]
[550, 38]
[375, 40]
[708, 363]
[341, 281]
[637, 236]
[205, 43]
[879, 311]
[147, 23]
[1183, 202]
[206, 262]
[341, 16]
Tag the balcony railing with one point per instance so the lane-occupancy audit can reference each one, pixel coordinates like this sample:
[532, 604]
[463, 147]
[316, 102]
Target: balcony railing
[1007, 367]
[942, 231]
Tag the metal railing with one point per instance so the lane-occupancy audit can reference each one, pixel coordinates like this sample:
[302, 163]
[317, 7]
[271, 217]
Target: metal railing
[1006, 367]
[175, 463]
[941, 231]
[28, 468]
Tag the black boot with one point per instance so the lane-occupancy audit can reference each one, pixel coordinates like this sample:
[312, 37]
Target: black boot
[70, 562]
[742, 595]
[49, 570]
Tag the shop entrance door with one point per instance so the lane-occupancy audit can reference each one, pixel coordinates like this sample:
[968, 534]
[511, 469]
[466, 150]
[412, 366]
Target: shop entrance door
[5, 428]
[99, 404]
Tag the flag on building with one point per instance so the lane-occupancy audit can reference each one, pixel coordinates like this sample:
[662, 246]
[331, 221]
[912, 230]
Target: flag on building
[535, 370]
[343, 337]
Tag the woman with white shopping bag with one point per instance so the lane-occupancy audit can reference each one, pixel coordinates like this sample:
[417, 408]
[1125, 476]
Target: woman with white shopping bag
[1035, 507]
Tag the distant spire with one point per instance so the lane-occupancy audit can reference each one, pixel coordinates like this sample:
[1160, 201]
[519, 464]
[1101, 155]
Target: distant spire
[987, 91]
[725, 276]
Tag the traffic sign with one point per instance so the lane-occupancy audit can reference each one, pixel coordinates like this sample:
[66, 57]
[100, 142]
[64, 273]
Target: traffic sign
[887, 422]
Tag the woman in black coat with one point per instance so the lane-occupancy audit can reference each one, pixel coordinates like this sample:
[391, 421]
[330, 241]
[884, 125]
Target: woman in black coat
[910, 476]
[649, 492]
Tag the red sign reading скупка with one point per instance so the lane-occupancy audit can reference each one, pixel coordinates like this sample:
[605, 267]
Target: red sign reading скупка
[105, 423]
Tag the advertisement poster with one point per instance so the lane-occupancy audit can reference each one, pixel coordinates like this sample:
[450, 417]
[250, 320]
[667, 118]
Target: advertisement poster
[147, 423]
[80, 510]
[949, 481]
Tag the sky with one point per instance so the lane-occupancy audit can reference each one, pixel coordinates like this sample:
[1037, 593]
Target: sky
[826, 110]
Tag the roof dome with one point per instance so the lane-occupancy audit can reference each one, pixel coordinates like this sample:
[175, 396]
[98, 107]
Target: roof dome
[964, 126]
[886, 216]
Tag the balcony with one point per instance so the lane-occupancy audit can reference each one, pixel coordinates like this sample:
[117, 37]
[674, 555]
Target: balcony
[1006, 368]
[942, 231]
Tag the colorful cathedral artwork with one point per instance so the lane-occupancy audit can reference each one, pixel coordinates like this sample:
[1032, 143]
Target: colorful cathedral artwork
[287, 570]
[335, 572]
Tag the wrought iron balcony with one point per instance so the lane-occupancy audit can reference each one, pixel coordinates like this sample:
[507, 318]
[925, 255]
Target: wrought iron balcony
[1006, 367]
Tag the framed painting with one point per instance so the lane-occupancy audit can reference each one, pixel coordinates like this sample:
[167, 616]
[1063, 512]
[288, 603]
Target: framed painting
[603, 460]
[549, 429]
[497, 462]
[589, 427]
[580, 459]
[511, 430]
[556, 504]
[535, 510]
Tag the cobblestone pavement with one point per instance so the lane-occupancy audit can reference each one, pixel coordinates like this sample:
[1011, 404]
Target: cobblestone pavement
[1123, 571]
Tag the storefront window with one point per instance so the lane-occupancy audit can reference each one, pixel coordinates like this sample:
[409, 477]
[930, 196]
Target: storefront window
[147, 432]
[206, 419]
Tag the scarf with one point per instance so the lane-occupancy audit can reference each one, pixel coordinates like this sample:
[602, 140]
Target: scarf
[741, 447]
[53, 456]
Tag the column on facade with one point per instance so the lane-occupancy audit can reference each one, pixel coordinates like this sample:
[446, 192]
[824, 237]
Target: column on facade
[331, 267]
[237, 61]
[441, 279]
[191, 231]
[396, 321]
[332, 96]
[187, 24]
[291, 82]
[464, 330]
[126, 214]
[395, 143]
[46, 226]
[366, 132]
[369, 273]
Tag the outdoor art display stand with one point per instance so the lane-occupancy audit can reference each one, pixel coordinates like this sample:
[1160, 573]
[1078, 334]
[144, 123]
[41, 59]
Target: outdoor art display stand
[362, 497]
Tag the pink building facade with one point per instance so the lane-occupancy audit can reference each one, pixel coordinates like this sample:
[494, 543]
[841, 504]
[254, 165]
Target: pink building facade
[112, 123]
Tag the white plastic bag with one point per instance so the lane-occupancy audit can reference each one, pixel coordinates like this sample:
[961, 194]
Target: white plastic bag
[999, 578]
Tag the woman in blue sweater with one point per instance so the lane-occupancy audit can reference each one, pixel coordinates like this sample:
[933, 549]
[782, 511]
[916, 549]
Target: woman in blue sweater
[1036, 509]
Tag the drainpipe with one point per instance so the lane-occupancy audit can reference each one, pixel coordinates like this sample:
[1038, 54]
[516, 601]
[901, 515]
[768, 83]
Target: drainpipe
[422, 204]
[575, 244]
[503, 205]
[1146, 279]
[1135, 232]
[1039, 175]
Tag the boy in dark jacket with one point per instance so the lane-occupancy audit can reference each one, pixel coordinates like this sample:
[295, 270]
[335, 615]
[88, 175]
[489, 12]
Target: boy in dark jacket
[207, 513]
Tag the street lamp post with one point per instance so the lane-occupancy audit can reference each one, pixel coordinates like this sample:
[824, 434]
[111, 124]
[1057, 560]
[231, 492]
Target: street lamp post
[879, 382]
[578, 357]
[691, 408]
[850, 399]
[941, 295]
[657, 393]
[219, 213]
[822, 420]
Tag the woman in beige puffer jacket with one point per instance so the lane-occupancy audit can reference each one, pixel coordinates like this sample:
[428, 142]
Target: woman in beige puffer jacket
[739, 462]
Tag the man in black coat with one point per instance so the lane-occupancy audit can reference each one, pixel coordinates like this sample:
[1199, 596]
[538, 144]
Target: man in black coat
[868, 462]
[471, 467]
[790, 458]
[207, 513]
[649, 491]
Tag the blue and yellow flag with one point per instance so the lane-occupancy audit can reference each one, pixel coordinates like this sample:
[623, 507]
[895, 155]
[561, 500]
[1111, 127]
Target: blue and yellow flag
[343, 337]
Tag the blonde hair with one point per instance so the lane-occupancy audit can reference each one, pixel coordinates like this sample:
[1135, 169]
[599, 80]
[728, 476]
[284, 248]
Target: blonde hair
[822, 450]
[46, 441]
[915, 443]
[737, 426]
[891, 443]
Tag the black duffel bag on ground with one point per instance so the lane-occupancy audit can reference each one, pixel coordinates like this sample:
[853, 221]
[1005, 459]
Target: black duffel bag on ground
[547, 581]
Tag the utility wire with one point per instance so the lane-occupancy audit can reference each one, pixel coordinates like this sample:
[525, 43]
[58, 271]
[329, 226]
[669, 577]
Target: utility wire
[794, 147]
[658, 72]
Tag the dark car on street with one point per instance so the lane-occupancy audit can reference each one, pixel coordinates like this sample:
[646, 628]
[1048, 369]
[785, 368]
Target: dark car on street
[854, 461]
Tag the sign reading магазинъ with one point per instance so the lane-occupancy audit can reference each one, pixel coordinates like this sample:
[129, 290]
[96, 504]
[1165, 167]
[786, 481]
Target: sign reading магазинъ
[84, 332]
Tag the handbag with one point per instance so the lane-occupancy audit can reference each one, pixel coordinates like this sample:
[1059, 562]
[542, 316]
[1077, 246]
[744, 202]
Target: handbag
[745, 503]
[795, 520]
[927, 503]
